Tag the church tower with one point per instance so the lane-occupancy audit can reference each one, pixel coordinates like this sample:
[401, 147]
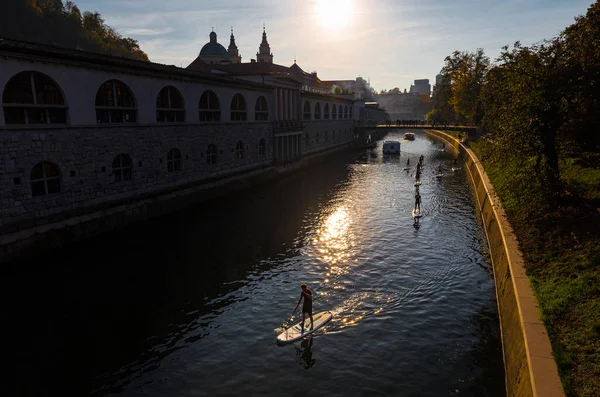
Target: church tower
[233, 50]
[264, 51]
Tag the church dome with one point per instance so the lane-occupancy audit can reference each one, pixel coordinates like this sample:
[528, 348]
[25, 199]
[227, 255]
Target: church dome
[213, 48]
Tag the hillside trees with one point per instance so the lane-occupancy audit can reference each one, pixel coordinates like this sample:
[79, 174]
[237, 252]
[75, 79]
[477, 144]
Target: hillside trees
[54, 23]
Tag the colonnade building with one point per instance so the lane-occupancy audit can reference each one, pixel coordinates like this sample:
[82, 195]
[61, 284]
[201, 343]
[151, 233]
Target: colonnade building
[82, 132]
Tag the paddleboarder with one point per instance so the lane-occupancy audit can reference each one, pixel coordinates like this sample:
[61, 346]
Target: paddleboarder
[418, 202]
[306, 294]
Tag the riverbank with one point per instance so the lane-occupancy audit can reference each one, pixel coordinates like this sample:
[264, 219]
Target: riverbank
[561, 251]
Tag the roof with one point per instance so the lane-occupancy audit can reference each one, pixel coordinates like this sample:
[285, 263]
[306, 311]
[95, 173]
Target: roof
[213, 48]
[29, 50]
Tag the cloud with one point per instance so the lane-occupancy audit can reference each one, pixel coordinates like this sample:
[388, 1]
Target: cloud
[148, 32]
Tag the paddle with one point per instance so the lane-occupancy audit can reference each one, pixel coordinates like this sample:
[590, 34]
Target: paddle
[286, 326]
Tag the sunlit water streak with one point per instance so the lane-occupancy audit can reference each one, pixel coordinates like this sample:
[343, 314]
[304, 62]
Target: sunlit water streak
[190, 305]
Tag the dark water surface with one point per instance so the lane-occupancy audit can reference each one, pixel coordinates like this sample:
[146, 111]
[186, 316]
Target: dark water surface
[190, 304]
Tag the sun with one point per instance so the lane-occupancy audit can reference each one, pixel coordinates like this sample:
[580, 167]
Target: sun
[335, 14]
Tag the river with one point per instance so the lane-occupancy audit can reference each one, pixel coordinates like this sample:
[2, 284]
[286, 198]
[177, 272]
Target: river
[190, 304]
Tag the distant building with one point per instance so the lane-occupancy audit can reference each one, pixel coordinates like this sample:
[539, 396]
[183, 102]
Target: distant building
[360, 88]
[421, 86]
[214, 53]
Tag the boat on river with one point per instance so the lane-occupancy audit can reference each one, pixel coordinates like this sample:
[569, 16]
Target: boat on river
[409, 136]
[391, 147]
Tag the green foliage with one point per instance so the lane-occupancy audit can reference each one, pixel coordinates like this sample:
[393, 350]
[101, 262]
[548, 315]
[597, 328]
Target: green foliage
[465, 72]
[54, 23]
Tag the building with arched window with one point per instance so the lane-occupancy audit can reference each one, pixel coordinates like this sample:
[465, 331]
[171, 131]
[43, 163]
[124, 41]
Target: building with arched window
[85, 130]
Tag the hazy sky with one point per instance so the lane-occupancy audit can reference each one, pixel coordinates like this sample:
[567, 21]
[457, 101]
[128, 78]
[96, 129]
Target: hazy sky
[391, 41]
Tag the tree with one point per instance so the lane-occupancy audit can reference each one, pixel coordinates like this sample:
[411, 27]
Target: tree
[466, 72]
[51, 22]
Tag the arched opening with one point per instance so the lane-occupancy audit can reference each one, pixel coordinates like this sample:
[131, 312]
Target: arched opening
[174, 160]
[238, 108]
[121, 167]
[115, 103]
[239, 150]
[317, 111]
[170, 107]
[261, 110]
[45, 179]
[209, 109]
[306, 113]
[326, 112]
[211, 154]
[33, 98]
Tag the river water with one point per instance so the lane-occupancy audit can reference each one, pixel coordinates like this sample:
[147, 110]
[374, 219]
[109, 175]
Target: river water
[190, 304]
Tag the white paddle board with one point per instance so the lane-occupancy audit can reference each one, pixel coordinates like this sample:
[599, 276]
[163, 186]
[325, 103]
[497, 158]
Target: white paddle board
[295, 333]
[416, 213]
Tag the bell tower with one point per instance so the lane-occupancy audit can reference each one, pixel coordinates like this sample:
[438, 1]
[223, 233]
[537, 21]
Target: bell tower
[233, 50]
[264, 51]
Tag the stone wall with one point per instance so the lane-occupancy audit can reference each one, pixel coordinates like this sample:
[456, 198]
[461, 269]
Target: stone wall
[85, 156]
[330, 133]
[528, 361]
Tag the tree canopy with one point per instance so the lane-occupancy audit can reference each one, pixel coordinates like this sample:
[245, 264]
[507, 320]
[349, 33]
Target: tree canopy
[538, 103]
[54, 23]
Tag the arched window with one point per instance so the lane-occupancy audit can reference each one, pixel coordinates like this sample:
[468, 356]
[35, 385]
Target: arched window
[345, 112]
[306, 114]
[238, 108]
[318, 111]
[261, 110]
[350, 111]
[115, 103]
[262, 149]
[326, 112]
[333, 112]
[239, 150]
[45, 179]
[211, 154]
[174, 160]
[121, 167]
[169, 106]
[33, 98]
[340, 113]
[210, 110]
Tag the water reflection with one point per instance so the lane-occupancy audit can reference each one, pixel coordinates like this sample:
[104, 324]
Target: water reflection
[186, 305]
[304, 354]
[333, 239]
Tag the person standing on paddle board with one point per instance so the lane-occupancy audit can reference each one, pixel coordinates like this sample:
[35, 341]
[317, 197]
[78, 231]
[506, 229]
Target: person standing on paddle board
[306, 305]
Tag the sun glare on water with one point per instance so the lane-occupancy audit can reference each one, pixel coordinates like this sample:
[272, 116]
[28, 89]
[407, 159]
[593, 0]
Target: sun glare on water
[335, 14]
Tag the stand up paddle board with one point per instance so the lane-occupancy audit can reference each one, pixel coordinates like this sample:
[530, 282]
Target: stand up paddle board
[416, 213]
[295, 333]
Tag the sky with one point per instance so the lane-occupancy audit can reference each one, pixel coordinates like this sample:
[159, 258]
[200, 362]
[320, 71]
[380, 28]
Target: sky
[390, 42]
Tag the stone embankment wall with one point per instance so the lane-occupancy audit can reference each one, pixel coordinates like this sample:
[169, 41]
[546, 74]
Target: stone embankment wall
[528, 361]
[60, 219]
